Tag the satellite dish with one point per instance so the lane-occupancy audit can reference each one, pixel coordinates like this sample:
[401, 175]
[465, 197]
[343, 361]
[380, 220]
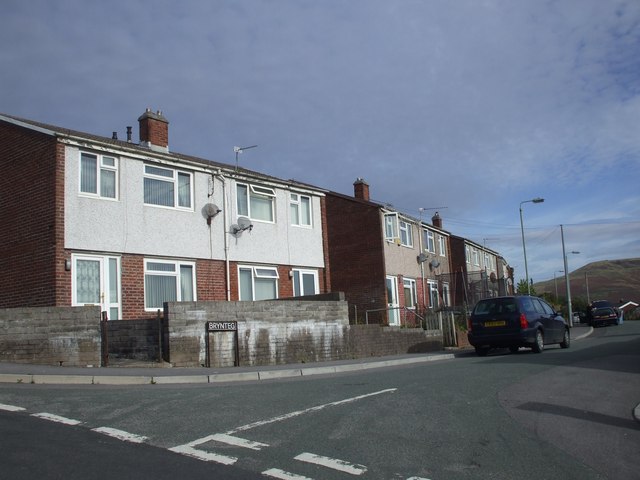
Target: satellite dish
[434, 264]
[243, 224]
[209, 211]
[421, 258]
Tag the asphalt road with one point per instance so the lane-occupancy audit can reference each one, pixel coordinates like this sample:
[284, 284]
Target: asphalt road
[564, 414]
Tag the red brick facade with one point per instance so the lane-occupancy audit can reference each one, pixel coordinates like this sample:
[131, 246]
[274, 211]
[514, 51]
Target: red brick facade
[32, 233]
[356, 253]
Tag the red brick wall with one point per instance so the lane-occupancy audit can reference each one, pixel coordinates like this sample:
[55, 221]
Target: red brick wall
[356, 256]
[32, 219]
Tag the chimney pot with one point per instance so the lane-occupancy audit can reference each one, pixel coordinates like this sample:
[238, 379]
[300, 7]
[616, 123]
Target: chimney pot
[114, 136]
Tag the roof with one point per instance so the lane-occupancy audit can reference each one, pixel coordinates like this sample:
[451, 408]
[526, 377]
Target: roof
[141, 149]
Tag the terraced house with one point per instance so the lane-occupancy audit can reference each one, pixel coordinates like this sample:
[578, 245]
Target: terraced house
[128, 225]
[390, 265]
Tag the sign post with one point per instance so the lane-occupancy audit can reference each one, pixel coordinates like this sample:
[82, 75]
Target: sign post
[231, 326]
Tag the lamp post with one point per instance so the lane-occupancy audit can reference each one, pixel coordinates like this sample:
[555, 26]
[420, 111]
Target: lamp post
[566, 277]
[524, 248]
[556, 283]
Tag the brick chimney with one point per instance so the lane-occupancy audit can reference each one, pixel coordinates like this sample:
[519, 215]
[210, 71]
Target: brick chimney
[361, 189]
[154, 131]
[436, 220]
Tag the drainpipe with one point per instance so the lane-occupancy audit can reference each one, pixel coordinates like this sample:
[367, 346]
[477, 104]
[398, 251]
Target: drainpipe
[226, 238]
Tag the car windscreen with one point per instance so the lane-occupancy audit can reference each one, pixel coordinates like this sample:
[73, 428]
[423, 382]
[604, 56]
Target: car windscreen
[495, 306]
[599, 312]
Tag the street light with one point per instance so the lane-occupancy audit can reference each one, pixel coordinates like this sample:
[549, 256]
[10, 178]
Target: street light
[556, 283]
[566, 277]
[524, 248]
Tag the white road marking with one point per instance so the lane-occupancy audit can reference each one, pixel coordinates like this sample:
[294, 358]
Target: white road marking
[202, 455]
[56, 418]
[11, 408]
[333, 463]
[287, 416]
[237, 441]
[282, 475]
[417, 478]
[121, 435]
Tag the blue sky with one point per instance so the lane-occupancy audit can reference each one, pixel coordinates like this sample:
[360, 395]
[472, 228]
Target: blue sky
[474, 106]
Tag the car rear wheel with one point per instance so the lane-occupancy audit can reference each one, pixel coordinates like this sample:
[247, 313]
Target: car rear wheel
[538, 346]
[482, 351]
[566, 340]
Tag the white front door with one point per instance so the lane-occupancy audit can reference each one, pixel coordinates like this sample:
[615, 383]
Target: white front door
[392, 301]
[96, 281]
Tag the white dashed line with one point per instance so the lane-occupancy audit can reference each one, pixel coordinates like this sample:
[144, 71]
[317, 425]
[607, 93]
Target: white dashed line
[189, 451]
[333, 463]
[56, 418]
[121, 435]
[282, 475]
[11, 408]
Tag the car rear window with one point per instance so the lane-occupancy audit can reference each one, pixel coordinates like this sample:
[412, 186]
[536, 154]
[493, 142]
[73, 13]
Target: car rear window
[603, 311]
[495, 306]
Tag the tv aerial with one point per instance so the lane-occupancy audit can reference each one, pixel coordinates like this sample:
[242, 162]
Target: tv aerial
[243, 224]
[239, 150]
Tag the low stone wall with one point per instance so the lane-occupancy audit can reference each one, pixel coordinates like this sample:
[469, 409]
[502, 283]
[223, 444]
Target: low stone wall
[67, 336]
[275, 332]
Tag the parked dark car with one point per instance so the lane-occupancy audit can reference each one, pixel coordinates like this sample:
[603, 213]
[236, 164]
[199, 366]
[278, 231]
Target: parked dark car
[514, 322]
[603, 316]
[599, 304]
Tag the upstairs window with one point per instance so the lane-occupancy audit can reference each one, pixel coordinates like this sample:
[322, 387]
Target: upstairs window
[476, 257]
[256, 202]
[167, 187]
[406, 234]
[300, 207]
[390, 226]
[99, 175]
[429, 241]
[467, 253]
[442, 245]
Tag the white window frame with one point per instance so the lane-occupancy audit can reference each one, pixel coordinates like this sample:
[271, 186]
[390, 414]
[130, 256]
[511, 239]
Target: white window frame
[467, 254]
[258, 192]
[176, 273]
[476, 257]
[446, 295]
[102, 168]
[433, 293]
[298, 203]
[406, 233]
[409, 284]
[298, 283]
[258, 272]
[429, 241]
[391, 227]
[442, 244]
[173, 179]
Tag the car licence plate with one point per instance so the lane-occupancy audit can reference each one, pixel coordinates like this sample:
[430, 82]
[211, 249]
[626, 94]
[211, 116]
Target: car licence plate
[495, 323]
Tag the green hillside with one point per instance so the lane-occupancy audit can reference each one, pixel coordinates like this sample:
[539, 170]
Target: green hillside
[615, 280]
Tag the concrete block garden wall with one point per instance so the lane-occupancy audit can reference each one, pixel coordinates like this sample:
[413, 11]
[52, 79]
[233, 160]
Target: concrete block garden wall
[66, 336]
[281, 332]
